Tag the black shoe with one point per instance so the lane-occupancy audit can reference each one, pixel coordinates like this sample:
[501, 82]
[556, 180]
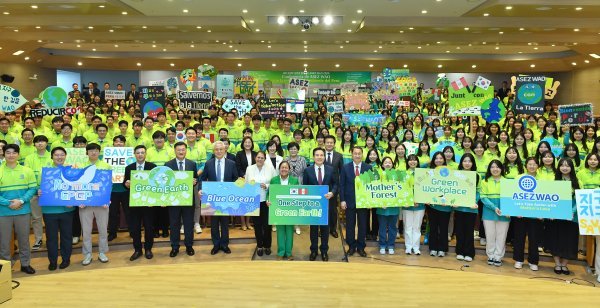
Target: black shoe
[136, 255]
[226, 250]
[156, 234]
[259, 252]
[334, 234]
[165, 234]
[362, 253]
[214, 250]
[268, 251]
[190, 251]
[368, 237]
[173, 253]
[557, 270]
[64, 264]
[111, 237]
[149, 254]
[52, 266]
[27, 270]
[351, 251]
[325, 257]
[565, 270]
[313, 256]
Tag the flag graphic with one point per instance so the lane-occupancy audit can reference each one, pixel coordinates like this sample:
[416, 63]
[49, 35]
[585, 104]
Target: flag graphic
[298, 191]
[459, 84]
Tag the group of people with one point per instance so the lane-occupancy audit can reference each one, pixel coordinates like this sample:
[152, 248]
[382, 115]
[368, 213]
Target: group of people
[313, 148]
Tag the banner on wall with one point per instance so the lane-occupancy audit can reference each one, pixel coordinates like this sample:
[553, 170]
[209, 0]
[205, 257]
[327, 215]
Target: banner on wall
[576, 114]
[444, 186]
[114, 94]
[152, 100]
[335, 107]
[360, 119]
[529, 94]
[67, 186]
[273, 108]
[230, 199]
[378, 188]
[528, 197]
[298, 205]
[161, 186]
[225, 86]
[243, 106]
[11, 99]
[118, 158]
[194, 100]
[588, 211]
[465, 100]
[283, 77]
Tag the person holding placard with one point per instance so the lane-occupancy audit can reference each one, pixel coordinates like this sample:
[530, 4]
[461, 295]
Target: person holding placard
[387, 218]
[412, 216]
[439, 218]
[261, 174]
[36, 161]
[465, 216]
[285, 233]
[496, 225]
[118, 199]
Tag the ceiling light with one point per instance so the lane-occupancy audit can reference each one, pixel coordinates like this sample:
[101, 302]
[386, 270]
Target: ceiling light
[239, 64]
[26, 58]
[411, 28]
[535, 48]
[101, 6]
[328, 20]
[153, 46]
[576, 30]
[501, 32]
[370, 65]
[466, 28]
[315, 20]
[38, 27]
[34, 6]
[116, 45]
[341, 46]
[244, 11]
[185, 11]
[78, 46]
[164, 49]
[281, 20]
[172, 64]
[573, 63]
[111, 30]
[305, 46]
[269, 46]
[192, 46]
[349, 30]
[405, 65]
[473, 66]
[273, 65]
[354, 21]
[447, 51]
[39, 41]
[440, 66]
[486, 14]
[305, 50]
[144, 27]
[16, 30]
[359, 11]
[5, 13]
[251, 21]
[578, 8]
[438, 42]
[301, 11]
[138, 64]
[380, 47]
[497, 47]
[424, 12]
[419, 47]
[295, 20]
[532, 65]
[124, 13]
[337, 65]
[595, 56]
[209, 31]
[18, 52]
[587, 61]
[93, 49]
[375, 50]
[521, 29]
[236, 50]
[257, 30]
[508, 7]
[198, 27]
[401, 31]
[79, 63]
[305, 65]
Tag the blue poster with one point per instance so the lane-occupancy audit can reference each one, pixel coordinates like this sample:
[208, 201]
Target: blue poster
[225, 86]
[67, 186]
[529, 197]
[230, 199]
[360, 119]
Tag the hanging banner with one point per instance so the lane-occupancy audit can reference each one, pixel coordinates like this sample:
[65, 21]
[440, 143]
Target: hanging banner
[360, 119]
[243, 106]
[273, 108]
[114, 94]
[575, 115]
[76, 157]
[335, 107]
[357, 101]
[161, 186]
[378, 188]
[152, 100]
[225, 86]
[315, 78]
[465, 100]
[230, 199]
[67, 186]
[588, 211]
[11, 99]
[194, 100]
[528, 197]
[118, 158]
[298, 205]
[529, 98]
[444, 186]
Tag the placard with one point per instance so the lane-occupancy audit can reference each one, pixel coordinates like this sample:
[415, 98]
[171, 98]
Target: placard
[321, 92]
[225, 86]
[298, 83]
[194, 100]
[152, 100]
[529, 98]
[492, 111]
[406, 86]
[444, 186]
[114, 94]
[243, 106]
[230, 198]
[294, 106]
[357, 101]
[335, 107]
[76, 157]
[54, 101]
[391, 74]
[67, 186]
[576, 114]
[118, 158]
[379, 188]
[528, 197]
[161, 186]
[273, 108]
[10, 99]
[588, 211]
[246, 85]
[362, 119]
[464, 100]
[298, 205]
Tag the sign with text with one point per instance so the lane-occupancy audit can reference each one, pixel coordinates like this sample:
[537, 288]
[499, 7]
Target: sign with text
[335, 107]
[359, 119]
[54, 101]
[406, 86]
[114, 94]
[118, 158]
[298, 83]
[321, 92]
[161, 186]
[152, 100]
[243, 106]
[67, 186]
[378, 188]
[528, 197]
[10, 99]
[194, 100]
[529, 98]
[588, 211]
[357, 101]
[298, 205]
[283, 77]
[464, 100]
[273, 108]
[444, 186]
[577, 114]
[230, 199]
[246, 85]
[76, 157]
[225, 86]
[294, 106]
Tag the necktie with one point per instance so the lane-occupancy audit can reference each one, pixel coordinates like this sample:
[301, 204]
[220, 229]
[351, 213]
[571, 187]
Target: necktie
[319, 176]
[180, 166]
[356, 172]
[218, 170]
[329, 158]
[140, 167]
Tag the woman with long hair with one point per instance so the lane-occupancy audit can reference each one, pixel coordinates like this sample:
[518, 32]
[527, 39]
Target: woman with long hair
[496, 225]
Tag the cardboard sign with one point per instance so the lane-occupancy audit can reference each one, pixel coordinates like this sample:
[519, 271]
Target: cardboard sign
[194, 100]
[529, 98]
[10, 99]
[152, 100]
[528, 197]
[67, 186]
[161, 186]
[444, 186]
[298, 205]
[577, 114]
[273, 108]
[114, 94]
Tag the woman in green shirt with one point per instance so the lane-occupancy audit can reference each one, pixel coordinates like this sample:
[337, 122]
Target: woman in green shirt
[285, 233]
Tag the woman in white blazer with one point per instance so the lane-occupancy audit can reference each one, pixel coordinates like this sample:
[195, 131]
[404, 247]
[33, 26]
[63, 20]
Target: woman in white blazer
[273, 159]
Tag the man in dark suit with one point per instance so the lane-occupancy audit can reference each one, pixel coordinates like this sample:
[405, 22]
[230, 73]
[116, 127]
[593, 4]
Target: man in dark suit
[103, 92]
[348, 203]
[320, 174]
[335, 160]
[134, 93]
[75, 90]
[179, 213]
[219, 169]
[91, 90]
[137, 214]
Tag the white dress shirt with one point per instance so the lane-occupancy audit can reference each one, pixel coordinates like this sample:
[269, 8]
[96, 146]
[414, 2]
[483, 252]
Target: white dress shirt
[222, 168]
[322, 171]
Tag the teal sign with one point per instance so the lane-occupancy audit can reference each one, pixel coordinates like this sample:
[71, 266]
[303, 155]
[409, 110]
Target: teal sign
[298, 205]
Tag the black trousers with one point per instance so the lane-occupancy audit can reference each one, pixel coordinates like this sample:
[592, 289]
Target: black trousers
[137, 216]
[56, 223]
[161, 219]
[118, 200]
[314, 238]
[526, 228]
[356, 216]
[219, 231]
[76, 225]
[438, 229]
[464, 224]
[373, 224]
[262, 229]
[333, 213]
[176, 215]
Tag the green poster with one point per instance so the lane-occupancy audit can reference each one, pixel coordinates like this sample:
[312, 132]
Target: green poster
[379, 188]
[444, 186]
[283, 77]
[298, 205]
[468, 101]
[161, 186]
[76, 157]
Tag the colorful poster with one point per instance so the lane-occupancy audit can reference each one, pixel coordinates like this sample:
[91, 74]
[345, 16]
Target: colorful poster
[294, 106]
[54, 101]
[406, 86]
[335, 107]
[588, 211]
[172, 87]
[118, 158]
[357, 101]
[391, 74]
[114, 94]
[556, 146]
[152, 100]
[225, 86]
[321, 92]
[445, 186]
[76, 157]
[194, 100]
[11, 99]
[283, 77]
[246, 85]
[378, 188]
[575, 115]
[493, 110]
[360, 119]
[298, 205]
[243, 106]
[465, 100]
[529, 98]
[298, 83]
[431, 96]
[273, 108]
[528, 197]
[230, 199]
[67, 186]
[161, 186]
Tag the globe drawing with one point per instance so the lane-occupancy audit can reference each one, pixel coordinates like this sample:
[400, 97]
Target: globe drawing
[527, 183]
[161, 177]
[530, 93]
[54, 97]
[15, 93]
[152, 108]
[492, 110]
[444, 172]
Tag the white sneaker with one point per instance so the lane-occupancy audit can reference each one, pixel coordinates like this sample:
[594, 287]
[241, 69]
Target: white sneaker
[391, 251]
[102, 257]
[476, 235]
[75, 240]
[518, 265]
[181, 230]
[297, 230]
[382, 251]
[417, 252]
[197, 228]
[441, 254]
[274, 228]
[460, 257]
[533, 267]
[87, 259]
[482, 241]
[468, 259]
[433, 253]
[398, 235]
[598, 278]
[408, 252]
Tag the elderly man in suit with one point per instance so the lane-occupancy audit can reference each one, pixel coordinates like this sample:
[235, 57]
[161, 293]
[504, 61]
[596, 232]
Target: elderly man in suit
[320, 174]
[137, 214]
[348, 202]
[219, 169]
[179, 213]
[335, 160]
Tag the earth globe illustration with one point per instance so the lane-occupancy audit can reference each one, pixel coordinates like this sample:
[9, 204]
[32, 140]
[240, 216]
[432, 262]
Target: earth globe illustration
[161, 177]
[152, 108]
[444, 172]
[527, 183]
[54, 97]
[530, 93]
[492, 110]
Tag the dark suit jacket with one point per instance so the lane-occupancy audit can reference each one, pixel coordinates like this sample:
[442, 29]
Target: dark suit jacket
[347, 176]
[136, 95]
[147, 166]
[86, 94]
[330, 179]
[210, 173]
[187, 166]
[242, 162]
